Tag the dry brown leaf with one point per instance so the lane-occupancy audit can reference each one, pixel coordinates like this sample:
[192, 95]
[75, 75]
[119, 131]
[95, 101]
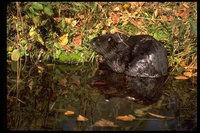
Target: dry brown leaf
[114, 18]
[62, 81]
[181, 77]
[68, 112]
[81, 16]
[156, 12]
[126, 118]
[81, 118]
[185, 4]
[104, 123]
[156, 115]
[77, 41]
[57, 19]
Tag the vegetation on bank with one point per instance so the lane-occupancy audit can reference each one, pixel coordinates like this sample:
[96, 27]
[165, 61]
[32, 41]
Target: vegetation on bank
[61, 31]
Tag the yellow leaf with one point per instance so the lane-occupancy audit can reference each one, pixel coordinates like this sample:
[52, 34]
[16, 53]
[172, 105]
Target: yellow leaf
[181, 77]
[32, 32]
[69, 112]
[68, 20]
[63, 40]
[126, 6]
[116, 8]
[39, 39]
[156, 13]
[126, 118]
[185, 5]
[104, 123]
[74, 22]
[81, 118]
[15, 55]
[103, 32]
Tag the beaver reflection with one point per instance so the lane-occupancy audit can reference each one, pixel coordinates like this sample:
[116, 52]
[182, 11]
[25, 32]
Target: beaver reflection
[145, 91]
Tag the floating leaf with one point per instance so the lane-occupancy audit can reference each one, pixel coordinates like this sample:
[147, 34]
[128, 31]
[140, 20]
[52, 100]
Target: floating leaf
[68, 112]
[181, 77]
[126, 118]
[81, 118]
[156, 115]
[104, 123]
[15, 55]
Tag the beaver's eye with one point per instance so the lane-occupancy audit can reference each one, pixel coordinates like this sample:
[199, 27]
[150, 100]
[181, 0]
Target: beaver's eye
[109, 39]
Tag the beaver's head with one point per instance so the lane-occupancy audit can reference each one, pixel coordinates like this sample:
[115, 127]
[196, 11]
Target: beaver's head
[109, 44]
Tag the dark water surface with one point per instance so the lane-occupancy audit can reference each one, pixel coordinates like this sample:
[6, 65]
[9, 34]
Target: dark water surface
[39, 100]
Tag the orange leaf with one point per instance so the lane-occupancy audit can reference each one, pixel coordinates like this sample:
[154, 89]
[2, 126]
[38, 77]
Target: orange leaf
[104, 123]
[57, 19]
[181, 77]
[77, 40]
[69, 112]
[156, 115]
[126, 118]
[81, 118]
[188, 74]
[185, 4]
[126, 6]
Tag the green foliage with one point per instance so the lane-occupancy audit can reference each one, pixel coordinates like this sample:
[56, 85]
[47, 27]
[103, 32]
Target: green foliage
[35, 25]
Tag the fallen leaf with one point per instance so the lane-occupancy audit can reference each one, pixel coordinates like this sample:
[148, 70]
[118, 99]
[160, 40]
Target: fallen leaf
[114, 18]
[63, 40]
[81, 118]
[181, 77]
[57, 19]
[156, 115]
[69, 112]
[126, 118]
[62, 81]
[98, 83]
[68, 20]
[156, 12]
[187, 74]
[104, 123]
[77, 40]
[81, 16]
[126, 6]
[185, 4]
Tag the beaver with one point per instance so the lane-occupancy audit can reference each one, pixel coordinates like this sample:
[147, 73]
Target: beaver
[137, 56]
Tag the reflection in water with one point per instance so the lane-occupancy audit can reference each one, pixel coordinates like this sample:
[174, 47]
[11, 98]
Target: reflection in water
[141, 90]
[43, 99]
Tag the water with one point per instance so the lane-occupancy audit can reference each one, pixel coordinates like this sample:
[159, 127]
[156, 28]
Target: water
[41, 98]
